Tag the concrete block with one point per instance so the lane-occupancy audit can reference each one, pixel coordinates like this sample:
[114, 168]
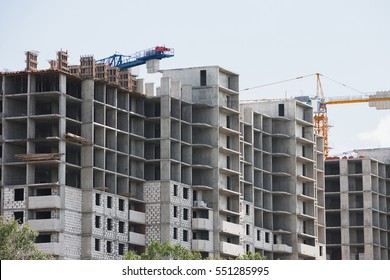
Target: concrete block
[153, 66]
[149, 89]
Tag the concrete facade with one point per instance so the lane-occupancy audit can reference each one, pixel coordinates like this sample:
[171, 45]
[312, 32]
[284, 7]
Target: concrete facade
[99, 169]
[192, 154]
[72, 163]
[283, 180]
[357, 205]
[254, 175]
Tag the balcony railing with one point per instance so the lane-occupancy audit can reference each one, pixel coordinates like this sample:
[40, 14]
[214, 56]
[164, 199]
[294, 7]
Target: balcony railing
[51, 248]
[202, 223]
[137, 238]
[231, 249]
[281, 248]
[307, 250]
[45, 224]
[202, 245]
[231, 228]
[136, 217]
[41, 202]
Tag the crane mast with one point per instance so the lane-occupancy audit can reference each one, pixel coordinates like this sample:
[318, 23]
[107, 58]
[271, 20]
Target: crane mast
[320, 117]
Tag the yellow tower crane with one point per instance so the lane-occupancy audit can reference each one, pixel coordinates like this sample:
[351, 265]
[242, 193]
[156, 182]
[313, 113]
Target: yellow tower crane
[380, 100]
[321, 126]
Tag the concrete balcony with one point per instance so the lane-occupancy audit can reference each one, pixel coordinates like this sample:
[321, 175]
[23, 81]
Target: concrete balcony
[51, 248]
[136, 217]
[202, 245]
[137, 238]
[281, 248]
[231, 228]
[45, 224]
[202, 224]
[41, 202]
[201, 204]
[231, 249]
[307, 250]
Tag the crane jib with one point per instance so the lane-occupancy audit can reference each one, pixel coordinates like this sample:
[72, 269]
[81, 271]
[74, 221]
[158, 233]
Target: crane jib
[139, 58]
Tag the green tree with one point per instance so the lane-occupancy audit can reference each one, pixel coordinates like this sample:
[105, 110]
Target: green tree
[251, 256]
[166, 251]
[17, 241]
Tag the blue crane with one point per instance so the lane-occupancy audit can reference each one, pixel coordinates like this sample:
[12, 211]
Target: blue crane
[127, 61]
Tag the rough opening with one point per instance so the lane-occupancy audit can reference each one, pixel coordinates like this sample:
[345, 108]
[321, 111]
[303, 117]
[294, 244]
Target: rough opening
[121, 227]
[121, 205]
[109, 202]
[43, 215]
[18, 216]
[203, 77]
[121, 249]
[281, 110]
[43, 238]
[97, 199]
[43, 192]
[19, 195]
[97, 244]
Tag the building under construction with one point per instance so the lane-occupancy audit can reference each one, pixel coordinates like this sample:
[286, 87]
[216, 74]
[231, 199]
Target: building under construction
[357, 205]
[99, 163]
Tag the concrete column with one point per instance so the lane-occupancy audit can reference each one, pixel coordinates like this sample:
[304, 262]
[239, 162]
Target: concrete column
[366, 170]
[140, 86]
[87, 93]
[153, 66]
[30, 173]
[62, 129]
[86, 224]
[86, 174]
[176, 89]
[165, 107]
[368, 246]
[344, 209]
[149, 89]
[31, 83]
[62, 83]
[165, 211]
[186, 93]
[343, 167]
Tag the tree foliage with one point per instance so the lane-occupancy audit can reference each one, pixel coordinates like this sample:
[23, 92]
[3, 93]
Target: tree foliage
[251, 256]
[167, 251]
[17, 241]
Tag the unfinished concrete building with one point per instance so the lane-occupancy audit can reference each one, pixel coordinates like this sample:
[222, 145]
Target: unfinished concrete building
[357, 190]
[99, 168]
[253, 180]
[192, 161]
[72, 161]
[283, 180]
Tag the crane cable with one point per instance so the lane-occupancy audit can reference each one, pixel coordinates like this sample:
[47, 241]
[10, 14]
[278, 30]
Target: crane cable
[279, 82]
[364, 93]
[301, 77]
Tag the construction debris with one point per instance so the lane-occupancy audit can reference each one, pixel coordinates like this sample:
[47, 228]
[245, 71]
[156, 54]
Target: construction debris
[38, 157]
[75, 138]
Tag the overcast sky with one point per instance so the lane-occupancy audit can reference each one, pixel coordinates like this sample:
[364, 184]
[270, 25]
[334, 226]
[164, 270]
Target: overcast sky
[264, 41]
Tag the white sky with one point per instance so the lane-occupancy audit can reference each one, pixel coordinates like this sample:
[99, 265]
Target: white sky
[264, 41]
